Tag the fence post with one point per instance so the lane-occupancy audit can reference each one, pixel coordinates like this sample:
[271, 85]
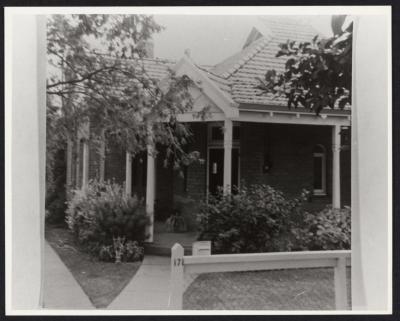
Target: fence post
[340, 284]
[177, 278]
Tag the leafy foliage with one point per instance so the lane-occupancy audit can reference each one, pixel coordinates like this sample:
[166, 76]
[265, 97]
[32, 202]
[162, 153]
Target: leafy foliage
[329, 229]
[55, 189]
[131, 252]
[176, 223]
[98, 76]
[317, 73]
[102, 212]
[251, 220]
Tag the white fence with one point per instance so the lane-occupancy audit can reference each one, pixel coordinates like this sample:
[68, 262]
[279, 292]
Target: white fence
[181, 265]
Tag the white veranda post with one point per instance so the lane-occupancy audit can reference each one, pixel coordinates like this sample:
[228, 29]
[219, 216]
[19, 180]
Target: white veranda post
[150, 189]
[128, 174]
[336, 166]
[85, 165]
[228, 129]
[69, 162]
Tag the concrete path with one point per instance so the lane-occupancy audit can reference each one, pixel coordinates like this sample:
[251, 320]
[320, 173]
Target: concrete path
[60, 289]
[149, 288]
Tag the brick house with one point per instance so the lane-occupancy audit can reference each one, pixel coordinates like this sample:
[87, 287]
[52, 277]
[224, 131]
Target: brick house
[262, 141]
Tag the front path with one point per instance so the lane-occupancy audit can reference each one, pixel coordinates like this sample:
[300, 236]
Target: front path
[60, 289]
[149, 288]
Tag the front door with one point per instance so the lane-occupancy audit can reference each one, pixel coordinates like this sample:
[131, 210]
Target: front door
[216, 169]
[139, 175]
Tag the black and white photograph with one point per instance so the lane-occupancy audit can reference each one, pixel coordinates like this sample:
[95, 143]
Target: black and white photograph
[193, 160]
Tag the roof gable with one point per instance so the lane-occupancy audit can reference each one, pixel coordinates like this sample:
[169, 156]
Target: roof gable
[220, 98]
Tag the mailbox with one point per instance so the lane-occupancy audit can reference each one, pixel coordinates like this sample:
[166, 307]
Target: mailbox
[201, 248]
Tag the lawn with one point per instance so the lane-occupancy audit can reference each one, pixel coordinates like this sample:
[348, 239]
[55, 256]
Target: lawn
[101, 281]
[301, 289]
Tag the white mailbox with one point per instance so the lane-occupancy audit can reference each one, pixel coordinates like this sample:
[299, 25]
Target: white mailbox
[201, 248]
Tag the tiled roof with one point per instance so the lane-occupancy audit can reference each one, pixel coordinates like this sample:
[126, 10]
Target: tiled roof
[155, 68]
[237, 75]
[243, 68]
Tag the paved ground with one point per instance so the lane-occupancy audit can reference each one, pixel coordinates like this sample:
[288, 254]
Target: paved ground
[149, 288]
[60, 289]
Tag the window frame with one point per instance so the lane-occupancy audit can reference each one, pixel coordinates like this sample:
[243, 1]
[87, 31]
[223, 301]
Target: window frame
[322, 155]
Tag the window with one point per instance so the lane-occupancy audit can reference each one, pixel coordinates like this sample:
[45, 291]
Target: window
[319, 159]
[236, 132]
[216, 133]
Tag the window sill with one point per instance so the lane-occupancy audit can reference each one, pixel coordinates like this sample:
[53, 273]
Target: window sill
[320, 194]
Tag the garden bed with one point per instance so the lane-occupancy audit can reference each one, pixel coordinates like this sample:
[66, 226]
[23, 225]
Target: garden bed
[101, 281]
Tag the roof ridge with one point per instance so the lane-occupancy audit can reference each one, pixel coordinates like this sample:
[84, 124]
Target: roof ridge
[155, 59]
[263, 42]
[210, 72]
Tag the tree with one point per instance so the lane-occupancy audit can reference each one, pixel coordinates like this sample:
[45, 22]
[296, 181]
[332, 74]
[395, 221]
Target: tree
[317, 73]
[99, 78]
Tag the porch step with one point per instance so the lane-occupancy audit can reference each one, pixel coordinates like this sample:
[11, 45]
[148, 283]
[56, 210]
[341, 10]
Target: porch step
[162, 250]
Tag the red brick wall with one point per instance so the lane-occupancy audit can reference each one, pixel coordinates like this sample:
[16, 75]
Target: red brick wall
[290, 149]
[345, 178]
[164, 186]
[94, 156]
[114, 163]
[196, 172]
[171, 182]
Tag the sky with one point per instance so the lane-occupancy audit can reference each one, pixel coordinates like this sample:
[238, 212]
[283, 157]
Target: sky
[212, 38]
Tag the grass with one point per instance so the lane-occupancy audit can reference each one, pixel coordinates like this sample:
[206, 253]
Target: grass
[101, 281]
[301, 289]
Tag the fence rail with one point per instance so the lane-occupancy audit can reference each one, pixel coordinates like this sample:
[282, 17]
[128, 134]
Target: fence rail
[181, 265]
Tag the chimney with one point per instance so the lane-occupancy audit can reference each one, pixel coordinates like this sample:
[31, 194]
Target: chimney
[147, 47]
[187, 52]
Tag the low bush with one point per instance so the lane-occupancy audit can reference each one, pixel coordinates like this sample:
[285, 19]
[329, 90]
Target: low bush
[55, 202]
[102, 212]
[252, 220]
[126, 251]
[329, 229]
[184, 216]
[56, 207]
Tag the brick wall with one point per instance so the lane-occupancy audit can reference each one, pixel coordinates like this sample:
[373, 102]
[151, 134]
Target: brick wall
[164, 186]
[94, 157]
[290, 150]
[189, 182]
[114, 163]
[196, 172]
[345, 178]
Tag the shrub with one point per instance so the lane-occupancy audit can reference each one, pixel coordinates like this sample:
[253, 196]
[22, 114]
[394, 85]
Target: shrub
[183, 217]
[251, 220]
[102, 212]
[176, 223]
[131, 252]
[56, 207]
[329, 229]
[188, 208]
[55, 188]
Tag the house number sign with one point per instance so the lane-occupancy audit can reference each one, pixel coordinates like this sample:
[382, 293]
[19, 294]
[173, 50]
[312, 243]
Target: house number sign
[178, 262]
